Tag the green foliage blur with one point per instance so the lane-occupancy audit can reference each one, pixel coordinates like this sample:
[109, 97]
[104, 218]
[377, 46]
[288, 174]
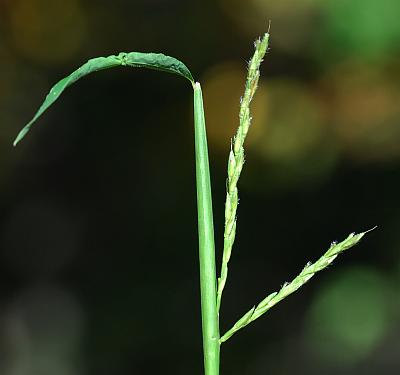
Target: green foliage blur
[98, 236]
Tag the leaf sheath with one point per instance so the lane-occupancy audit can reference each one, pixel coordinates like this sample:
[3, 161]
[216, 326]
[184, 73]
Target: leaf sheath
[209, 314]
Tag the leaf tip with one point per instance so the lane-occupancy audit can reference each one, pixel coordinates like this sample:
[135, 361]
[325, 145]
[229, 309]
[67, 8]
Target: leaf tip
[21, 135]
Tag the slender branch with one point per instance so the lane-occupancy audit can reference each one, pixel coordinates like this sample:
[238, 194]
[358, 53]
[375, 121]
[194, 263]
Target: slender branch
[236, 159]
[288, 288]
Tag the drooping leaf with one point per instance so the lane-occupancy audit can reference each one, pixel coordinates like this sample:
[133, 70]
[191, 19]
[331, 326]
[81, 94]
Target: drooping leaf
[156, 61]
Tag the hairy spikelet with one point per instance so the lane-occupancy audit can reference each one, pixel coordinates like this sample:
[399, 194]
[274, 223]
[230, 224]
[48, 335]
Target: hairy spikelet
[288, 288]
[236, 159]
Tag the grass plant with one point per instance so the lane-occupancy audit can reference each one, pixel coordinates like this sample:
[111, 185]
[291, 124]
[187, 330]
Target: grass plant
[211, 287]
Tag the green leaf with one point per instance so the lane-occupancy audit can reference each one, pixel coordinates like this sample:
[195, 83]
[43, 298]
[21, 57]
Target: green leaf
[156, 61]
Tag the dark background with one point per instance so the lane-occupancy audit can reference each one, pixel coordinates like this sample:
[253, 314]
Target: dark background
[98, 236]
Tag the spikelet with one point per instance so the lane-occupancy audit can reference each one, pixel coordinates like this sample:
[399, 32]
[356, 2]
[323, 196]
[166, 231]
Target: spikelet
[288, 288]
[236, 159]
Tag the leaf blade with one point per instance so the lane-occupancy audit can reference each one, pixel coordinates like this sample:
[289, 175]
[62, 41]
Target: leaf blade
[156, 61]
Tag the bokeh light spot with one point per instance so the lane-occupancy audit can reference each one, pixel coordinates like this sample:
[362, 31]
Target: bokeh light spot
[349, 316]
[365, 111]
[47, 31]
[293, 122]
[293, 138]
[43, 327]
[223, 86]
[365, 28]
[285, 16]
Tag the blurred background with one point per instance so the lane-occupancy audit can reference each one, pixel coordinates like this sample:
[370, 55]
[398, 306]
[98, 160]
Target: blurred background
[98, 235]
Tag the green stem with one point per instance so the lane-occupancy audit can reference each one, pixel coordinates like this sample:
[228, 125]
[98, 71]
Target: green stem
[208, 281]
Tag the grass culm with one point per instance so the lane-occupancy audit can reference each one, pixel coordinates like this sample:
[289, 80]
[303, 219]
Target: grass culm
[211, 287]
